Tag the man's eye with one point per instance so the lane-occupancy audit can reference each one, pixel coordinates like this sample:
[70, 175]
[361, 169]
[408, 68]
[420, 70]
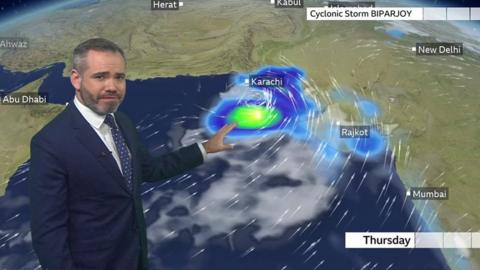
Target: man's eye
[99, 77]
[121, 77]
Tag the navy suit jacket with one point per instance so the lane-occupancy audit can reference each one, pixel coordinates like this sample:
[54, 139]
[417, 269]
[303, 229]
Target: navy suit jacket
[83, 216]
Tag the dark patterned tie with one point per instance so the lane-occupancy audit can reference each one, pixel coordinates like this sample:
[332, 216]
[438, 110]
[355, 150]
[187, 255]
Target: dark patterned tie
[122, 149]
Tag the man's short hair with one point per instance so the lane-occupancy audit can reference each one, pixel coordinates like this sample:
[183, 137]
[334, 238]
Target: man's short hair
[96, 44]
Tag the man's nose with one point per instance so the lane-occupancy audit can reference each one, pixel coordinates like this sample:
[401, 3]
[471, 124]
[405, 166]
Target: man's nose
[110, 85]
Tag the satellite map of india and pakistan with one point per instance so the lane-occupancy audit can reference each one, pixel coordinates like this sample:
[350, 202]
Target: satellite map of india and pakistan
[302, 134]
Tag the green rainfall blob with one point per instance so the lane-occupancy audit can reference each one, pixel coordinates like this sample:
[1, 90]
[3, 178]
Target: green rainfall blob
[254, 116]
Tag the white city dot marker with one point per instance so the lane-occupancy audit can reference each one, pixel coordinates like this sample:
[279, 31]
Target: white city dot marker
[247, 81]
[414, 49]
[272, 2]
[180, 4]
[408, 193]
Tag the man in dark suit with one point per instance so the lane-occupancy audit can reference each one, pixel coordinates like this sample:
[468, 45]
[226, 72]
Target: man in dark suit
[87, 165]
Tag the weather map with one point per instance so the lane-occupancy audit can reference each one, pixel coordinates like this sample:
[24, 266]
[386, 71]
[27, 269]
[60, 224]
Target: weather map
[356, 144]
[272, 100]
[274, 103]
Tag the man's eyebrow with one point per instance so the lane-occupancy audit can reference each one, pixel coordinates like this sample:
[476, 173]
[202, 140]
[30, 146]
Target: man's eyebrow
[100, 73]
[107, 73]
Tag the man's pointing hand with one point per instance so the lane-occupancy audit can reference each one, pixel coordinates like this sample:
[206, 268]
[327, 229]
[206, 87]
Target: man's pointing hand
[215, 143]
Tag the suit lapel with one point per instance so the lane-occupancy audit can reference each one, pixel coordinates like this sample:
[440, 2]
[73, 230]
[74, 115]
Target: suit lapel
[90, 140]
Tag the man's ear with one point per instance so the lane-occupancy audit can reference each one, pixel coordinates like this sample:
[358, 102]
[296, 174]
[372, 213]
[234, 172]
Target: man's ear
[75, 79]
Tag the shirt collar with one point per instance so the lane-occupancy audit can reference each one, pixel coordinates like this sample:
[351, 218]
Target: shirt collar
[93, 118]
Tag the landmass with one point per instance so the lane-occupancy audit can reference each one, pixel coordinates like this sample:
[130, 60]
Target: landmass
[19, 124]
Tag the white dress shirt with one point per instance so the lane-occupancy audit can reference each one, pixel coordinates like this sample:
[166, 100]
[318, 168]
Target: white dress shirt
[104, 132]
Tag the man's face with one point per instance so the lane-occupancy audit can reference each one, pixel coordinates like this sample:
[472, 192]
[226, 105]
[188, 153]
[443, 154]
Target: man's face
[101, 84]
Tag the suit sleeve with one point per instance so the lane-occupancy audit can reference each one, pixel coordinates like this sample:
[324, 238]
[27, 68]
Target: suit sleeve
[171, 164]
[48, 207]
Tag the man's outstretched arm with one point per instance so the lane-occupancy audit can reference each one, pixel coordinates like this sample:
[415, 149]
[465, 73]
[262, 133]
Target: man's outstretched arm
[184, 159]
[48, 207]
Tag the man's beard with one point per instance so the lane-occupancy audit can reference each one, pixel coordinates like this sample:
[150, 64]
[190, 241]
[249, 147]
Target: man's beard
[91, 102]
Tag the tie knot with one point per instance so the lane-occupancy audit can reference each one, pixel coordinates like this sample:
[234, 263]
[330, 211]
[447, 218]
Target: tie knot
[110, 121]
